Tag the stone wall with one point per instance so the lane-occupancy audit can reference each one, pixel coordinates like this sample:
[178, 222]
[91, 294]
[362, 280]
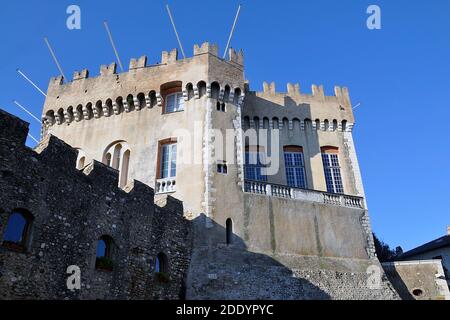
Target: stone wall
[418, 280]
[71, 210]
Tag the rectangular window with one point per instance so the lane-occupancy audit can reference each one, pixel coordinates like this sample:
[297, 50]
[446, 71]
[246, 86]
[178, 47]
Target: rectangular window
[168, 161]
[254, 168]
[332, 173]
[295, 169]
[174, 102]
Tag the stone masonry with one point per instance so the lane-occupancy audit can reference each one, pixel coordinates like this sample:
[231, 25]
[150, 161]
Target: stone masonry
[71, 210]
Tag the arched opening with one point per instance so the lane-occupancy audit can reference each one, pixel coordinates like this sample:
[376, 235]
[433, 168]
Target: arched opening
[308, 124]
[70, 114]
[162, 268]
[98, 109]
[190, 91]
[119, 103]
[109, 106]
[81, 163]
[226, 93]
[246, 122]
[201, 86]
[237, 95]
[141, 99]
[256, 122]
[344, 125]
[104, 254]
[153, 99]
[90, 112]
[218, 106]
[50, 117]
[60, 116]
[117, 156]
[124, 170]
[130, 102]
[18, 229]
[317, 124]
[326, 125]
[79, 113]
[215, 90]
[335, 124]
[276, 123]
[229, 230]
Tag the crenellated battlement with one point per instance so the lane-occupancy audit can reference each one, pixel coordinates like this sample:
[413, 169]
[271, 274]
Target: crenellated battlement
[284, 110]
[53, 152]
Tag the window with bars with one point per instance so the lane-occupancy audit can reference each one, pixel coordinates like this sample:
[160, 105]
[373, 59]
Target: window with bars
[254, 168]
[168, 161]
[295, 168]
[174, 102]
[332, 172]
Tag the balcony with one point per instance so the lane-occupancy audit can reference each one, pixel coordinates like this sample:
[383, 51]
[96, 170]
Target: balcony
[287, 192]
[166, 185]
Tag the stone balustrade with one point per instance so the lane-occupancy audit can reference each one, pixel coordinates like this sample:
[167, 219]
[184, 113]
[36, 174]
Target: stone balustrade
[280, 191]
[165, 185]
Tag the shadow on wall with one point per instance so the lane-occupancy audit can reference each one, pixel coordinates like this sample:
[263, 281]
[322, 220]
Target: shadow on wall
[221, 271]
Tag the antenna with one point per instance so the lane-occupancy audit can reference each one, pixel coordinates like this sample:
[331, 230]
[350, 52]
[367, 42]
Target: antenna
[54, 57]
[32, 83]
[35, 140]
[232, 31]
[175, 29]
[112, 44]
[26, 110]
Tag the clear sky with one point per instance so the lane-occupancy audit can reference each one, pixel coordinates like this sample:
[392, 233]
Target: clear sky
[399, 74]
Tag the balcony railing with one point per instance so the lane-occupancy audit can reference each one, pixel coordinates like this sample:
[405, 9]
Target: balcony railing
[280, 191]
[165, 185]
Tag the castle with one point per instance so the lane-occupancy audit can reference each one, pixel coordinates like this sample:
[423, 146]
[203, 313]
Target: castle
[273, 204]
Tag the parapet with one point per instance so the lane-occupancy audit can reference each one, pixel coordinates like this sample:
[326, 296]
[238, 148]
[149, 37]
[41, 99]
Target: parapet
[13, 128]
[169, 57]
[138, 63]
[79, 75]
[56, 151]
[108, 70]
[318, 92]
[206, 47]
[102, 173]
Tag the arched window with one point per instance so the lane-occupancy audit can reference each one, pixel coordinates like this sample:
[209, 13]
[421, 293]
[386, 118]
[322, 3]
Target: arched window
[70, 114]
[60, 116]
[229, 229]
[295, 166]
[18, 229]
[117, 156]
[332, 170]
[79, 113]
[104, 253]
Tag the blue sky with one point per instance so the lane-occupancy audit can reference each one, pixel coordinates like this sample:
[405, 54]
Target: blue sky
[399, 74]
